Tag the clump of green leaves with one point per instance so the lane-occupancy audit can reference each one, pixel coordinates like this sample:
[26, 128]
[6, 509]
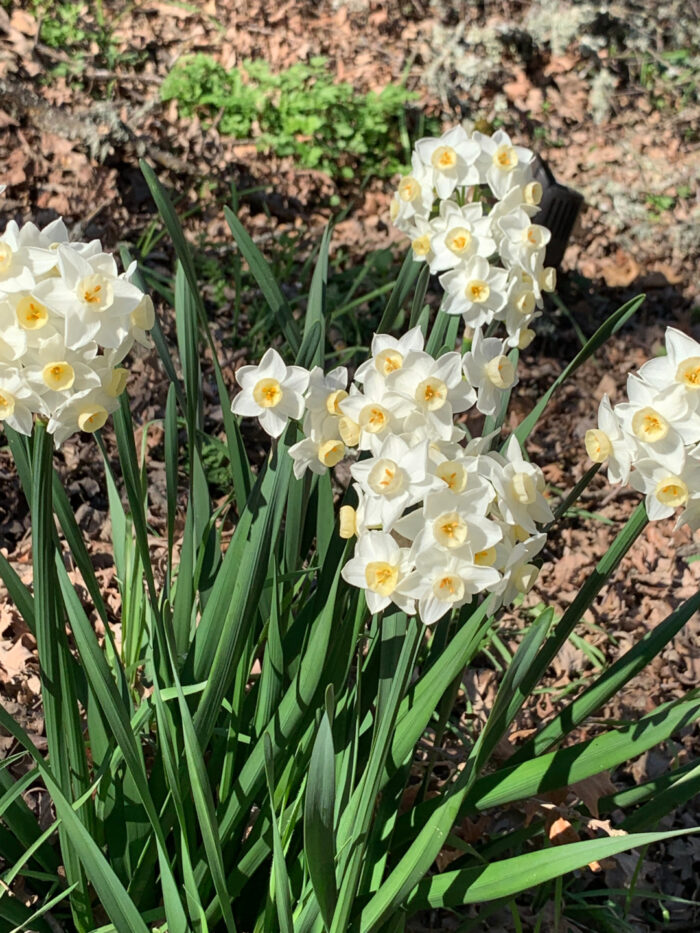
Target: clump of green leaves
[75, 27]
[299, 112]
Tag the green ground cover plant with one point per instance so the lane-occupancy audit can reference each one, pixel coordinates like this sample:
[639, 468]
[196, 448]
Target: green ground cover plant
[76, 27]
[240, 758]
[299, 111]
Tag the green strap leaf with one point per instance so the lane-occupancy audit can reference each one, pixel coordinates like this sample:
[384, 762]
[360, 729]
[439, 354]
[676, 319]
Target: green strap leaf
[610, 682]
[119, 907]
[312, 344]
[319, 815]
[404, 283]
[282, 897]
[268, 286]
[508, 877]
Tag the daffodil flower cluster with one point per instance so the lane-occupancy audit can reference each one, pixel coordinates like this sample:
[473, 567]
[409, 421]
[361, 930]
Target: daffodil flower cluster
[491, 261]
[652, 441]
[438, 520]
[67, 320]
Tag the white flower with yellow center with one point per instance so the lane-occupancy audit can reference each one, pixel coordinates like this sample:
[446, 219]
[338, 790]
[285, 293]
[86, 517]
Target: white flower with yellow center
[502, 165]
[86, 411]
[522, 197]
[522, 240]
[436, 387]
[326, 390]
[141, 321]
[56, 372]
[680, 367]
[442, 582]
[519, 312]
[380, 567]
[18, 401]
[271, 392]
[464, 233]
[662, 422]
[387, 353]
[94, 302]
[491, 372]
[422, 234]
[15, 268]
[609, 443]
[519, 572]
[13, 338]
[476, 290]
[396, 478]
[520, 486]
[313, 453]
[414, 196]
[451, 160]
[665, 491]
[377, 410]
[457, 524]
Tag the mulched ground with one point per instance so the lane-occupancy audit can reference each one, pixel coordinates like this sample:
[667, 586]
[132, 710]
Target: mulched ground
[605, 92]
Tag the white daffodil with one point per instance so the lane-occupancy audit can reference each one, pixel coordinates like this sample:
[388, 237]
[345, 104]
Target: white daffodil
[521, 239]
[87, 411]
[94, 302]
[15, 273]
[414, 196]
[662, 422]
[380, 567]
[490, 371]
[377, 411]
[464, 233]
[521, 197]
[608, 442]
[457, 524]
[502, 165]
[519, 312]
[451, 160]
[17, 400]
[422, 235]
[355, 521]
[271, 392]
[437, 387]
[520, 486]
[680, 367]
[466, 472]
[141, 321]
[387, 353]
[395, 479]
[13, 338]
[326, 390]
[476, 290]
[322, 447]
[665, 491]
[442, 582]
[42, 247]
[36, 322]
[519, 573]
[316, 455]
[56, 373]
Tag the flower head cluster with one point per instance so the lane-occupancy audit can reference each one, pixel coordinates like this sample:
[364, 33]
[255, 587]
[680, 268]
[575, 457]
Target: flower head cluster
[492, 261]
[437, 520]
[652, 440]
[67, 320]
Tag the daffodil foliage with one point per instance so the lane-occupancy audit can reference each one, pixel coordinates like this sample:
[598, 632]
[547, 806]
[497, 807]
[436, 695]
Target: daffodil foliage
[245, 738]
